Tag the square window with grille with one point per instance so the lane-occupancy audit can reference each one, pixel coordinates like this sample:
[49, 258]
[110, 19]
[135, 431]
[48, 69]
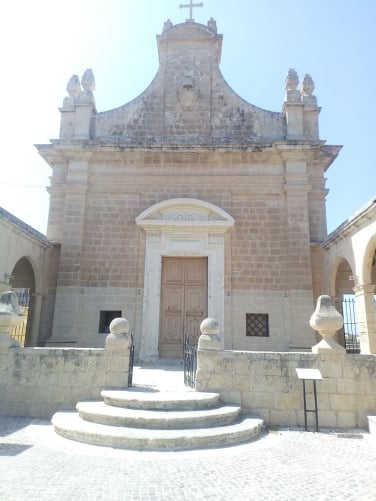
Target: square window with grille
[257, 324]
[105, 318]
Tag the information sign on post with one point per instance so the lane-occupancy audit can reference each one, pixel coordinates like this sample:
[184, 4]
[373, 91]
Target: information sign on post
[309, 375]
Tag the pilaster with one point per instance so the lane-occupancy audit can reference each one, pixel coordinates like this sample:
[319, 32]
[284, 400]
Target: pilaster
[298, 270]
[73, 221]
[298, 242]
[69, 279]
[57, 199]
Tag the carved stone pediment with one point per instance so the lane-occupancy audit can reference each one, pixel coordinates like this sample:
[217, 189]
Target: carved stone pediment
[185, 212]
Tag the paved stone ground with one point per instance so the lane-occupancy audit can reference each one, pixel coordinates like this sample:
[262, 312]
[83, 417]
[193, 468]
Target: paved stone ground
[283, 464]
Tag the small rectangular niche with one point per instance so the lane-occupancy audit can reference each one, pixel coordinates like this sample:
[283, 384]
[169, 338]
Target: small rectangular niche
[105, 318]
[257, 324]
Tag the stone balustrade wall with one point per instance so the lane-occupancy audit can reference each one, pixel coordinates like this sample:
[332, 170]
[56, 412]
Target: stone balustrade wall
[267, 384]
[35, 382]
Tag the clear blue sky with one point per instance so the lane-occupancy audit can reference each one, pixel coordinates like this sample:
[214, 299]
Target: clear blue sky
[44, 42]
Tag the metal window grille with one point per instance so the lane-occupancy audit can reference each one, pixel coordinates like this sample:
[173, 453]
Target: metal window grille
[257, 324]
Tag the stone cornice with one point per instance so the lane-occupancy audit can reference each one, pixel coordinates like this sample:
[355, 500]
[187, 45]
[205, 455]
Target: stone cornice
[64, 148]
[352, 224]
[21, 227]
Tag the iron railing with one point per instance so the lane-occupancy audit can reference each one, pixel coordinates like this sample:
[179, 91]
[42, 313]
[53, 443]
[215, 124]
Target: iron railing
[350, 325]
[131, 362]
[190, 362]
[19, 332]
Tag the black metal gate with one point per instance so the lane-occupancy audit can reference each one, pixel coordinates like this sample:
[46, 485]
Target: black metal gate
[190, 362]
[24, 299]
[350, 325]
[131, 362]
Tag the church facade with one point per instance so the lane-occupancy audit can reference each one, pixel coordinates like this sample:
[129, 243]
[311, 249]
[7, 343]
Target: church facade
[188, 202]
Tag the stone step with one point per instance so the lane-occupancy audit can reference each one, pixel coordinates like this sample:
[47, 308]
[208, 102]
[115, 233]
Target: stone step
[71, 426]
[169, 400]
[99, 412]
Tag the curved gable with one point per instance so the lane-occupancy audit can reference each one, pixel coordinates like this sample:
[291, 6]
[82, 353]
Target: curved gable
[189, 101]
[185, 212]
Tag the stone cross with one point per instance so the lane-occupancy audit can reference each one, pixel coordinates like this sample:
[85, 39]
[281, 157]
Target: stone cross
[190, 7]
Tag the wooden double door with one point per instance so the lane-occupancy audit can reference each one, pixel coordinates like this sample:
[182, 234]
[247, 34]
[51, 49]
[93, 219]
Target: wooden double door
[184, 303]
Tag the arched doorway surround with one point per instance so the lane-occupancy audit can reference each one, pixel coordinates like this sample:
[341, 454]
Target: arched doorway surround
[181, 227]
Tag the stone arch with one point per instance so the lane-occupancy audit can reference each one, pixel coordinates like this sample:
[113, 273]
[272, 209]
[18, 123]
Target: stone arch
[369, 263]
[341, 278]
[23, 275]
[342, 285]
[181, 227]
[23, 279]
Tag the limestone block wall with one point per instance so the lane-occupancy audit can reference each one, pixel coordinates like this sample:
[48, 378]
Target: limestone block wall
[78, 311]
[35, 382]
[286, 331]
[266, 384]
[261, 260]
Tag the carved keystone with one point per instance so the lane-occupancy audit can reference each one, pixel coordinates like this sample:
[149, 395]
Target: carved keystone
[119, 338]
[209, 339]
[326, 321]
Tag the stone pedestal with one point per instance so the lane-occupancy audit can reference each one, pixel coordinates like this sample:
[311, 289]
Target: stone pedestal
[117, 349]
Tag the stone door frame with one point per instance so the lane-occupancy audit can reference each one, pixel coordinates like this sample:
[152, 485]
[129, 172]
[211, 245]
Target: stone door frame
[181, 227]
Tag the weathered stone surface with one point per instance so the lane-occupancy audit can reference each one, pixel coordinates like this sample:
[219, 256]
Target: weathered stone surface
[36, 382]
[270, 388]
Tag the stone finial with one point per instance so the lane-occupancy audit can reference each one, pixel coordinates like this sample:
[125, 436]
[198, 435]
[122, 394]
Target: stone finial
[88, 86]
[209, 339]
[167, 25]
[74, 86]
[212, 25]
[119, 338]
[326, 321]
[291, 83]
[88, 81]
[292, 80]
[308, 86]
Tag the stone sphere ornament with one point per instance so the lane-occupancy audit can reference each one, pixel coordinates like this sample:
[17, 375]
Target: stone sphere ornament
[119, 338]
[119, 325]
[209, 326]
[209, 339]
